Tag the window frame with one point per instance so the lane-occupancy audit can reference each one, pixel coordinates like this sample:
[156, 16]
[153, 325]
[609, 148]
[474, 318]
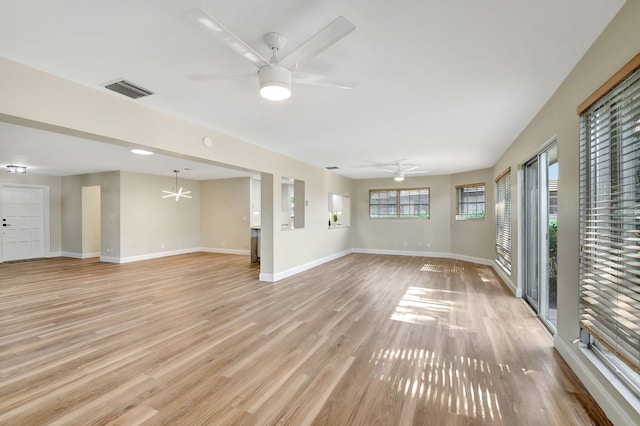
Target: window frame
[460, 202]
[398, 204]
[606, 174]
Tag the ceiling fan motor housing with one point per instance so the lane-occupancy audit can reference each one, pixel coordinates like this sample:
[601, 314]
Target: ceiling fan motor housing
[275, 82]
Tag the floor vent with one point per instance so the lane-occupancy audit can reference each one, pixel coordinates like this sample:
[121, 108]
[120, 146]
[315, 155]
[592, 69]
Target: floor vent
[332, 167]
[129, 89]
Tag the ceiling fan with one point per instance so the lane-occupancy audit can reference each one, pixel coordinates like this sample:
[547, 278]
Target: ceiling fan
[276, 74]
[400, 169]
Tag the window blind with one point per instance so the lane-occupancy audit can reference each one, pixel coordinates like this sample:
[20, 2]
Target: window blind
[610, 220]
[503, 219]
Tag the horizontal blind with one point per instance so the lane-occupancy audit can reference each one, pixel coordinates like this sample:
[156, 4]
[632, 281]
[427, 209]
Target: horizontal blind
[610, 220]
[503, 220]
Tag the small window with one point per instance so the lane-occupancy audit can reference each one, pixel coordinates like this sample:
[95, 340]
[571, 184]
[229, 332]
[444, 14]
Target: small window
[411, 203]
[470, 201]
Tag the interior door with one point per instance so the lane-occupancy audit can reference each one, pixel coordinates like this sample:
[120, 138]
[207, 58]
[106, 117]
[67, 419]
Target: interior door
[22, 223]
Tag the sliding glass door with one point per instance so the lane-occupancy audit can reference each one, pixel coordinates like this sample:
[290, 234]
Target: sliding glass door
[540, 234]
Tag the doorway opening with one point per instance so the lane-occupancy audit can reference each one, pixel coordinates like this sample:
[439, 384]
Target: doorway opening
[91, 233]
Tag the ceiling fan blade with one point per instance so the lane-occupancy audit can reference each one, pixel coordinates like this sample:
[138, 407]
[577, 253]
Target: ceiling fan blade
[408, 169]
[320, 80]
[217, 77]
[219, 31]
[336, 30]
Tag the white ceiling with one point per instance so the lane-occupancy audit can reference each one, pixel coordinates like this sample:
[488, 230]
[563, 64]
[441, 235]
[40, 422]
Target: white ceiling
[446, 85]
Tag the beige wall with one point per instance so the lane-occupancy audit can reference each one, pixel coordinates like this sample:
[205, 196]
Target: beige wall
[55, 203]
[474, 238]
[224, 215]
[407, 235]
[441, 235]
[91, 221]
[151, 224]
[71, 226]
[614, 48]
[31, 97]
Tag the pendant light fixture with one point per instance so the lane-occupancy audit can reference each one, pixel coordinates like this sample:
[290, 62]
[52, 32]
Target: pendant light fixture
[175, 192]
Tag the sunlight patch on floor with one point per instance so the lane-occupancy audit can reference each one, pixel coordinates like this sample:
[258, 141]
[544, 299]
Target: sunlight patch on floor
[416, 308]
[461, 384]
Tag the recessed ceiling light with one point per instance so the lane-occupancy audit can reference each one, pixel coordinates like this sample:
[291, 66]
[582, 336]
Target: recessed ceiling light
[141, 151]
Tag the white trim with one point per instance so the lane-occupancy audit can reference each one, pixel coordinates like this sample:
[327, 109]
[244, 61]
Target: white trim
[110, 259]
[616, 412]
[403, 252]
[464, 258]
[54, 254]
[149, 256]
[435, 254]
[79, 255]
[266, 277]
[225, 251]
[517, 291]
[301, 268]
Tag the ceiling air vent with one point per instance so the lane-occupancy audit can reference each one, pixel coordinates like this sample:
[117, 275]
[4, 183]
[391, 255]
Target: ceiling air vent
[129, 89]
[332, 167]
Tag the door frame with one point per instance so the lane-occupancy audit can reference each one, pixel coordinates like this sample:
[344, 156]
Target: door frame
[542, 234]
[46, 214]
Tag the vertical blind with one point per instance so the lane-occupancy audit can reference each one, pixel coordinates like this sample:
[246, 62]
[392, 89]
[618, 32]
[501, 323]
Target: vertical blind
[503, 219]
[610, 220]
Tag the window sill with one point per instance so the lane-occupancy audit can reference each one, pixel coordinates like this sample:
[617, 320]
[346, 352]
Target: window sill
[608, 373]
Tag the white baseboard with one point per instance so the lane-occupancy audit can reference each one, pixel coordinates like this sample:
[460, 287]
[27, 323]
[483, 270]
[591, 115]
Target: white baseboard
[402, 252]
[465, 258]
[71, 254]
[506, 278]
[301, 268]
[149, 256]
[79, 255]
[609, 404]
[436, 254]
[110, 259]
[225, 251]
[266, 277]
[54, 254]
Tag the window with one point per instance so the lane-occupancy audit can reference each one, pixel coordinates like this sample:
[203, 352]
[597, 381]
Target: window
[399, 203]
[470, 201]
[503, 219]
[610, 223]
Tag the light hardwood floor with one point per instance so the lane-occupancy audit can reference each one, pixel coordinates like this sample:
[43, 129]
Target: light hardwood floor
[198, 340]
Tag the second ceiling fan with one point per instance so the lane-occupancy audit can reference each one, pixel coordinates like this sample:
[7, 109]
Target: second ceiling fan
[276, 74]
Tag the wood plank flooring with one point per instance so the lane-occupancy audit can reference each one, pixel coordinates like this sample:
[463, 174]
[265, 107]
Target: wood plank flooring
[198, 340]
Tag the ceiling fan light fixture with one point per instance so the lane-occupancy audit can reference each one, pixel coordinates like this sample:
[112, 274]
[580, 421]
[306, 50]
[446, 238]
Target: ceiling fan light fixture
[16, 169]
[275, 82]
[398, 176]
